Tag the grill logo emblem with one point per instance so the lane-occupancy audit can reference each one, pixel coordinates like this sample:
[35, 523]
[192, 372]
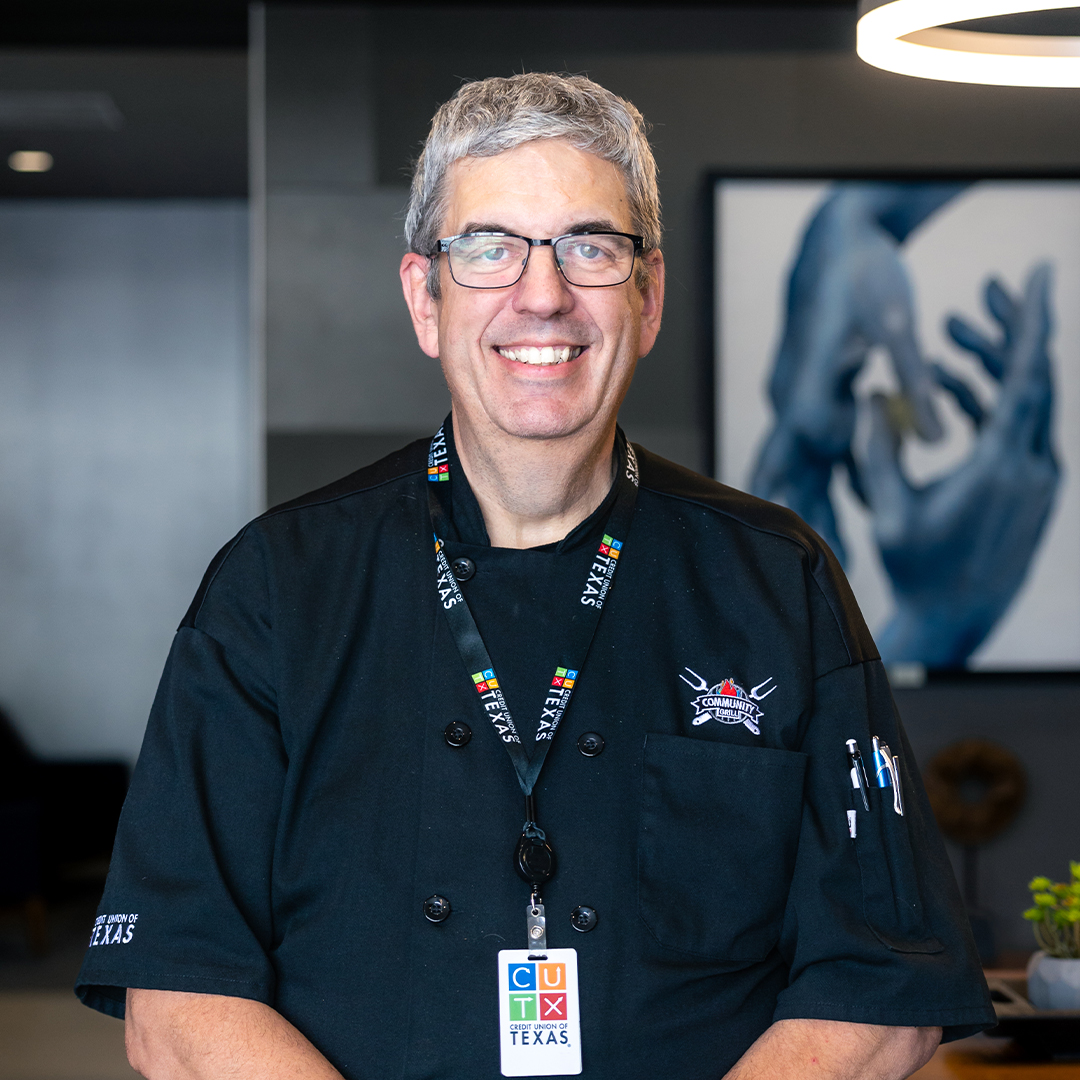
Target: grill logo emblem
[727, 701]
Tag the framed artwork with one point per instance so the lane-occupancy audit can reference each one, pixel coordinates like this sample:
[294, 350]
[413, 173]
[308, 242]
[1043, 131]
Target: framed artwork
[897, 359]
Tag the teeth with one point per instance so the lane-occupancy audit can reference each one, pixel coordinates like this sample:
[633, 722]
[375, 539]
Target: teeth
[547, 355]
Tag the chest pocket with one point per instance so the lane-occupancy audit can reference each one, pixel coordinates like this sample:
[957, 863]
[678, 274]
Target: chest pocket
[717, 842]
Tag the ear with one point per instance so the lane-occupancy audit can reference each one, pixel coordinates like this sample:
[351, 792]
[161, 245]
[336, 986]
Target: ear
[653, 301]
[424, 310]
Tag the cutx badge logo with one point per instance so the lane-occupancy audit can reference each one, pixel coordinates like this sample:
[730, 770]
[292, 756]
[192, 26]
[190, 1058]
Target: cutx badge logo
[727, 701]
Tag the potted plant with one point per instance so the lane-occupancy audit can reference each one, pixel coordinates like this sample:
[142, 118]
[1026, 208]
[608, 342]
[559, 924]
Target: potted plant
[1054, 971]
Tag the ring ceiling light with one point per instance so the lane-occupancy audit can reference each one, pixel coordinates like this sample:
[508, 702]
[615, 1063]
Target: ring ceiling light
[907, 36]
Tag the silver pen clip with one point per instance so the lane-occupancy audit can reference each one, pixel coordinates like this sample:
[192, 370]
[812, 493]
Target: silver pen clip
[897, 791]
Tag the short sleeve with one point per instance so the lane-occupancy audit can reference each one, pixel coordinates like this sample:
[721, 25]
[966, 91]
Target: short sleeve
[874, 930]
[187, 904]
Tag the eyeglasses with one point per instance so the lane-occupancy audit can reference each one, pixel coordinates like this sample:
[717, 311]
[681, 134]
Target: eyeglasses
[493, 260]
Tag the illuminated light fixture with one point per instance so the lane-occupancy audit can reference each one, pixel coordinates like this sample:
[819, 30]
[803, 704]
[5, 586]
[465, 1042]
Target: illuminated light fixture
[30, 161]
[910, 38]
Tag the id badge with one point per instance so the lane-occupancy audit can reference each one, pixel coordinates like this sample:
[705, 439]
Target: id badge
[539, 1026]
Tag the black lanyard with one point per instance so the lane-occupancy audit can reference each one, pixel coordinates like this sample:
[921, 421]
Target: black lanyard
[534, 857]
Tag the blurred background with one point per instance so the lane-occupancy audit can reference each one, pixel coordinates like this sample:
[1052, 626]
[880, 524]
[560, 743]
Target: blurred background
[200, 316]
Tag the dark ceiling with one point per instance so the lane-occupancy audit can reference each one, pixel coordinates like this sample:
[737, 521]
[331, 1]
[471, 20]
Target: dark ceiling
[174, 125]
[172, 75]
[148, 98]
[196, 24]
[223, 23]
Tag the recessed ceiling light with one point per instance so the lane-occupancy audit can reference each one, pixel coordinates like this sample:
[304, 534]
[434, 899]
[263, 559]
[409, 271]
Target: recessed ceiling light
[31, 161]
[913, 37]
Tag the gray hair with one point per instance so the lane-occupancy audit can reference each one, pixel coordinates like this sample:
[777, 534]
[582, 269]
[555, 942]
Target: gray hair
[490, 116]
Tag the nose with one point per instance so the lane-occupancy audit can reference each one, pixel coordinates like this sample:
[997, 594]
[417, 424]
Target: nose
[542, 290]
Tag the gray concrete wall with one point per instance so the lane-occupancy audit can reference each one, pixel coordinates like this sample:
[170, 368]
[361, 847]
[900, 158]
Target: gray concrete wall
[126, 451]
[345, 380]
[341, 352]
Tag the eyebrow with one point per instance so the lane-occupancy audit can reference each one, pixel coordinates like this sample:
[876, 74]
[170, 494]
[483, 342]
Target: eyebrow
[576, 227]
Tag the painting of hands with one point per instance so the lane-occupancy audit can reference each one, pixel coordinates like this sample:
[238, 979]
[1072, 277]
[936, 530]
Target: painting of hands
[940, 481]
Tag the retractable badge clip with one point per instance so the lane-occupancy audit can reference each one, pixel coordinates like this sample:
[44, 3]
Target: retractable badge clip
[534, 861]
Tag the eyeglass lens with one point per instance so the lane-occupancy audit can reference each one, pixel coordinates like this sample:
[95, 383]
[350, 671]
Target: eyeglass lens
[588, 259]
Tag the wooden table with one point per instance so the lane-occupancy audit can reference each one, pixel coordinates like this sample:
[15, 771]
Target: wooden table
[983, 1058]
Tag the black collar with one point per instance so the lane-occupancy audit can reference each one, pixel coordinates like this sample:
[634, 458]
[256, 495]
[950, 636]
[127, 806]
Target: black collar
[469, 521]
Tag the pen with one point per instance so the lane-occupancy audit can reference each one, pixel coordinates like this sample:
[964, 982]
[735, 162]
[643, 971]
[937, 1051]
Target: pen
[858, 773]
[887, 773]
[882, 765]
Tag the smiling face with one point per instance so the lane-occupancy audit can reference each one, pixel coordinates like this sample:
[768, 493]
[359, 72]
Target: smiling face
[541, 359]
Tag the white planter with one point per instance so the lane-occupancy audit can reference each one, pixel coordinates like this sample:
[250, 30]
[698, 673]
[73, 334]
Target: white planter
[1053, 983]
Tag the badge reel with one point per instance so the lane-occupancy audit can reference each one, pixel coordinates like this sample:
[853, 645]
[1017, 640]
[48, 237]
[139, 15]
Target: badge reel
[534, 861]
[539, 1022]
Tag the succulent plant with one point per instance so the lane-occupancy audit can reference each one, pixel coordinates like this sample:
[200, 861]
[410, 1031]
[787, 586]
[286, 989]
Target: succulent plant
[1056, 914]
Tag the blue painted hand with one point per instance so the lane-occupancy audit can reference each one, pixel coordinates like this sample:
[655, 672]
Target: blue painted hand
[958, 549]
[848, 293]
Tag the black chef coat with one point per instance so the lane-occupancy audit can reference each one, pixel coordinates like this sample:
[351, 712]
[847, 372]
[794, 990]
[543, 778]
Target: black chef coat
[296, 800]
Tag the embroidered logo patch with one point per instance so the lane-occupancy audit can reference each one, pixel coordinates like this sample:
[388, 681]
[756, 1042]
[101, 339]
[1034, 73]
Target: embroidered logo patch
[727, 701]
[113, 929]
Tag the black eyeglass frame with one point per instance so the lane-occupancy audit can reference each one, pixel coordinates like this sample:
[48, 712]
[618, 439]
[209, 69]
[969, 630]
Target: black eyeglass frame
[445, 242]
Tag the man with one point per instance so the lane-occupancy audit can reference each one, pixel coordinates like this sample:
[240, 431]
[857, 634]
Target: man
[323, 852]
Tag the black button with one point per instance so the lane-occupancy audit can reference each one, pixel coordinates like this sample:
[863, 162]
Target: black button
[591, 743]
[463, 568]
[436, 908]
[457, 733]
[583, 918]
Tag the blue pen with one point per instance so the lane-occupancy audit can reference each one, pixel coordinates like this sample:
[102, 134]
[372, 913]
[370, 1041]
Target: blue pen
[887, 773]
[882, 772]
